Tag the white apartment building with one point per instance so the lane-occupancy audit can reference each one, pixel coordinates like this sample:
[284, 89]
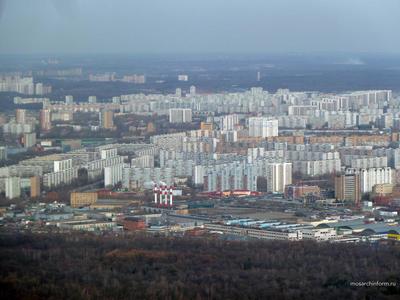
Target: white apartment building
[95, 168]
[228, 122]
[62, 165]
[29, 139]
[180, 115]
[278, 176]
[317, 167]
[108, 153]
[112, 175]
[69, 100]
[370, 177]
[144, 161]
[13, 187]
[61, 177]
[3, 153]
[263, 127]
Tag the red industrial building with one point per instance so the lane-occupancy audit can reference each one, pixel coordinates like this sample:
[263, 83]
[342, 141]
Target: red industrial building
[300, 191]
[133, 224]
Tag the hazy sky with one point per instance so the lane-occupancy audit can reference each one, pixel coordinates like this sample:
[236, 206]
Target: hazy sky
[197, 26]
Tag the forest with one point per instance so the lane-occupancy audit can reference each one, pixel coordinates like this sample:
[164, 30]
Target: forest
[90, 266]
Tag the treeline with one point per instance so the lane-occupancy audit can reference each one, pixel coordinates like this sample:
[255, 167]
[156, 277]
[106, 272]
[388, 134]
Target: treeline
[86, 266]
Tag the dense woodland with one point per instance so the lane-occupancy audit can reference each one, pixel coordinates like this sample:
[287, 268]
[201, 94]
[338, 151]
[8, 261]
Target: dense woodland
[86, 266]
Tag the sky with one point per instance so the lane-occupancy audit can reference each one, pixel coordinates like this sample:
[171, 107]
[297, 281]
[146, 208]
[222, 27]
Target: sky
[199, 26]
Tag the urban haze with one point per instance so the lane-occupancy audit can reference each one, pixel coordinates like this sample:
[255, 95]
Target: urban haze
[214, 149]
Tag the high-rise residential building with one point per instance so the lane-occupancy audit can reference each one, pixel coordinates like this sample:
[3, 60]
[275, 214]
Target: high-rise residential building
[279, 175]
[151, 128]
[39, 89]
[62, 165]
[373, 176]
[29, 139]
[183, 77]
[108, 153]
[347, 187]
[228, 122]
[69, 100]
[192, 90]
[45, 119]
[92, 99]
[3, 153]
[178, 92]
[107, 119]
[116, 100]
[13, 187]
[180, 115]
[135, 78]
[144, 161]
[113, 175]
[20, 116]
[263, 127]
[35, 186]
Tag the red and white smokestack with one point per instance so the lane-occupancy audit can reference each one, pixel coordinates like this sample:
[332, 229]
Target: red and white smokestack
[170, 196]
[155, 194]
[165, 194]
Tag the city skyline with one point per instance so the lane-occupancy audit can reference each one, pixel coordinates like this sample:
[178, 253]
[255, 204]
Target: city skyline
[214, 149]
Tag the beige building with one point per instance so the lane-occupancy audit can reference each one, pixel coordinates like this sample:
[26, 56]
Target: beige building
[107, 119]
[83, 199]
[347, 188]
[45, 119]
[35, 186]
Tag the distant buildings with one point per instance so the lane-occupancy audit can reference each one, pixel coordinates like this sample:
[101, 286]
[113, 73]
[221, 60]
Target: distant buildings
[35, 186]
[373, 176]
[22, 85]
[17, 129]
[29, 139]
[112, 175]
[63, 173]
[69, 100]
[228, 122]
[192, 91]
[92, 99]
[3, 153]
[347, 187]
[136, 79]
[13, 187]
[62, 165]
[45, 119]
[183, 77]
[206, 126]
[107, 119]
[300, 191]
[106, 77]
[180, 115]
[279, 175]
[263, 127]
[20, 116]
[82, 199]
[243, 136]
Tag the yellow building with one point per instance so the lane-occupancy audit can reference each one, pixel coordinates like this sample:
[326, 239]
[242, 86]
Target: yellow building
[382, 189]
[107, 119]
[35, 186]
[83, 199]
[394, 236]
[206, 126]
